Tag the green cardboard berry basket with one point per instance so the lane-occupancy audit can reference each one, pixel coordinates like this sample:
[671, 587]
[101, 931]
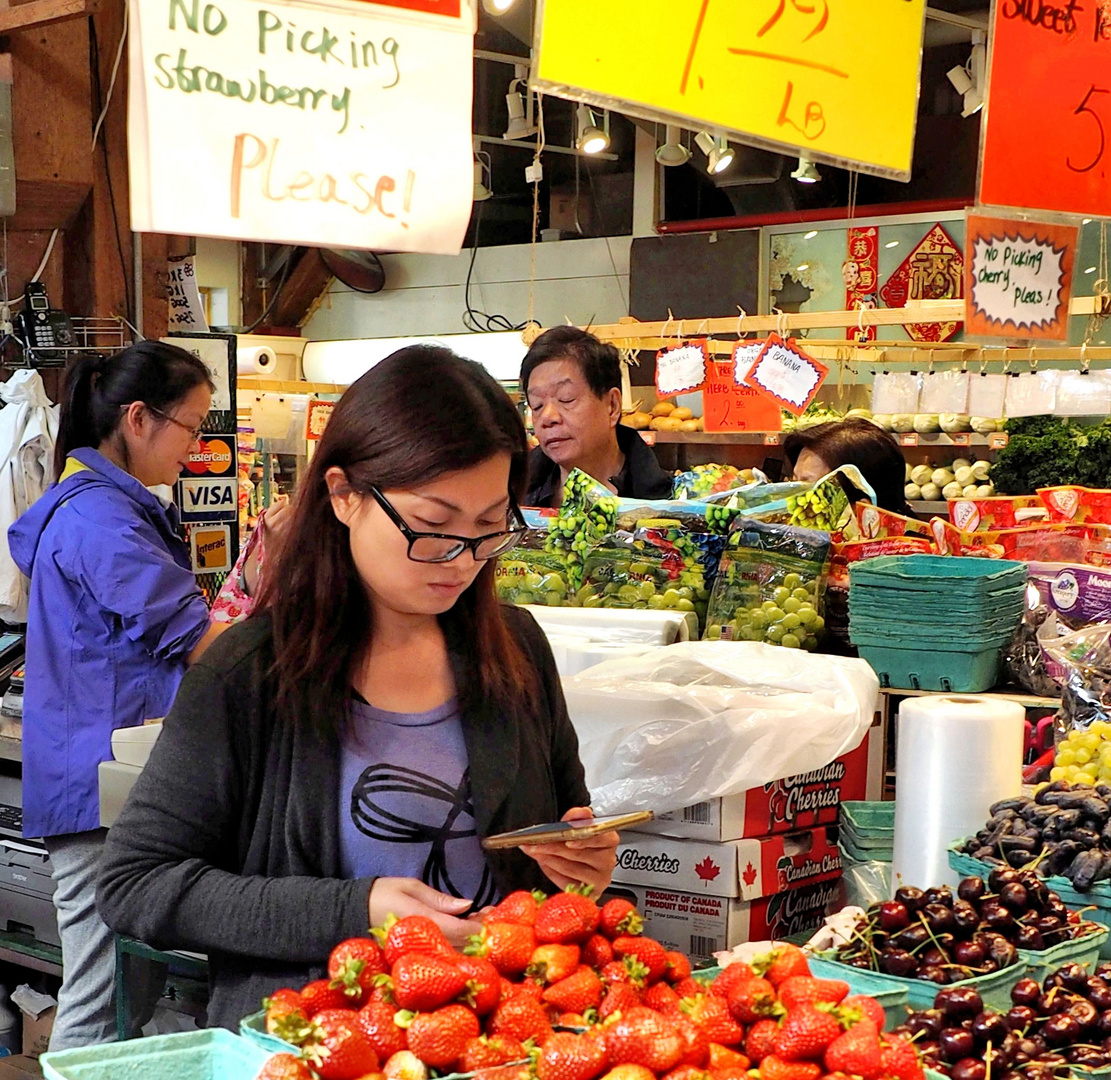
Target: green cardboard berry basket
[1095, 903]
[951, 670]
[253, 1029]
[214, 1054]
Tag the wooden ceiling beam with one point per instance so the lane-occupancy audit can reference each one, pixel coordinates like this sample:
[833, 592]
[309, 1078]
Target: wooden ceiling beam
[39, 13]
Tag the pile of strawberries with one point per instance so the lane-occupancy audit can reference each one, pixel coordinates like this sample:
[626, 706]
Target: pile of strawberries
[559, 988]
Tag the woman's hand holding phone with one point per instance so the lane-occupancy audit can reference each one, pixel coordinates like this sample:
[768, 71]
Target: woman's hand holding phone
[407, 896]
[589, 861]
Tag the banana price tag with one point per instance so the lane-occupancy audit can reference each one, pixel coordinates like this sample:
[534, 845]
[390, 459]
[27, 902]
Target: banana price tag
[786, 374]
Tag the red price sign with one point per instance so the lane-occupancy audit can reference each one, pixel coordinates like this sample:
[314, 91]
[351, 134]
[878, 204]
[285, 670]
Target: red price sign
[729, 407]
[908, 439]
[1047, 141]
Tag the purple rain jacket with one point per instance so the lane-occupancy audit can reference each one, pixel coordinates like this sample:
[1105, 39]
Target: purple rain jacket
[114, 612]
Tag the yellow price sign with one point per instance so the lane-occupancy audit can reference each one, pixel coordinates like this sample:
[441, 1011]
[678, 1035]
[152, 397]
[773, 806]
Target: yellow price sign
[835, 80]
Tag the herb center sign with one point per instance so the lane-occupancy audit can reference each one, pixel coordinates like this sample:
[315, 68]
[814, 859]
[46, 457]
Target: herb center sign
[345, 124]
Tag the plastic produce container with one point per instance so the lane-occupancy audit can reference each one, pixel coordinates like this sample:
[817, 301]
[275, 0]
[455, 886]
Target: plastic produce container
[892, 998]
[214, 1054]
[253, 1029]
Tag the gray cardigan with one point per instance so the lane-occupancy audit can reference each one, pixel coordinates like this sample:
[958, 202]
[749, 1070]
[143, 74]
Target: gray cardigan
[229, 842]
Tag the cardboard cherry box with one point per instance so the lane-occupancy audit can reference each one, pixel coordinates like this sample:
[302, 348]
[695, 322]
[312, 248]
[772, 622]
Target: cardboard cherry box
[797, 802]
[701, 898]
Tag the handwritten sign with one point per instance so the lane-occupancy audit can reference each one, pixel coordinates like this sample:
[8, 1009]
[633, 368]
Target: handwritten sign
[346, 125]
[682, 369]
[783, 74]
[728, 405]
[1049, 148]
[786, 374]
[186, 309]
[1018, 278]
[316, 420]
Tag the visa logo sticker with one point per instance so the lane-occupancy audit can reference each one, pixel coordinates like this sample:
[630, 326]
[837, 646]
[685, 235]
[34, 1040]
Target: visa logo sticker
[209, 500]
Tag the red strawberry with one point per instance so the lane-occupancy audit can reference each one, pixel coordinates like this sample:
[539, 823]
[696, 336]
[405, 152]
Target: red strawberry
[678, 967]
[722, 1057]
[284, 1067]
[568, 918]
[576, 993]
[353, 966]
[377, 1019]
[439, 1038]
[340, 1049]
[643, 1037]
[806, 990]
[899, 1058]
[696, 1043]
[856, 1052]
[760, 1040]
[280, 1006]
[500, 1072]
[723, 985]
[630, 971]
[732, 1073]
[650, 953]
[690, 988]
[572, 1057]
[508, 946]
[522, 1017]
[687, 1072]
[320, 996]
[414, 933]
[662, 998]
[597, 952]
[422, 983]
[774, 1068]
[405, 1066]
[483, 983]
[553, 963]
[805, 1034]
[490, 1051]
[619, 998]
[782, 963]
[869, 1008]
[751, 1000]
[712, 1015]
[630, 1072]
[619, 918]
[520, 907]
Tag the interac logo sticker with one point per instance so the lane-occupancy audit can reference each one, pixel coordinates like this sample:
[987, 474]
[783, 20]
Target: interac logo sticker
[211, 548]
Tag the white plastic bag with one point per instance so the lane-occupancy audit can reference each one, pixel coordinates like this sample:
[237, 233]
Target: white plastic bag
[705, 719]
[1083, 394]
[1031, 394]
[987, 395]
[944, 392]
[896, 392]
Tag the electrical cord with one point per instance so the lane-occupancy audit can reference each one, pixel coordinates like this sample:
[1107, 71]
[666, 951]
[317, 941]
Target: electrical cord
[479, 321]
[115, 72]
[273, 299]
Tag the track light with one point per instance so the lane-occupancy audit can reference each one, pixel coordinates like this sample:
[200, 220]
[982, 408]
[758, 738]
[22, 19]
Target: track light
[520, 125]
[969, 80]
[592, 139]
[673, 152]
[719, 154]
[807, 172]
[496, 7]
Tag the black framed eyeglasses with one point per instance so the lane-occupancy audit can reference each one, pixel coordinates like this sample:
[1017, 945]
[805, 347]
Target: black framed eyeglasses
[441, 547]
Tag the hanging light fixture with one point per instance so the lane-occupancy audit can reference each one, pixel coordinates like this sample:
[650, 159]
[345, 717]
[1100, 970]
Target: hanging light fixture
[481, 191]
[807, 172]
[719, 154]
[969, 81]
[497, 7]
[673, 152]
[592, 139]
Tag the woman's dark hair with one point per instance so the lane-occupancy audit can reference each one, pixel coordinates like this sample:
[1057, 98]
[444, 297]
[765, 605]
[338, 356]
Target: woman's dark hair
[858, 442]
[420, 413]
[599, 363]
[98, 389]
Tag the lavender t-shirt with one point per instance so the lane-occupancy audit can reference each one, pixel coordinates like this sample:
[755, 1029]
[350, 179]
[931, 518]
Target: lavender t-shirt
[405, 801]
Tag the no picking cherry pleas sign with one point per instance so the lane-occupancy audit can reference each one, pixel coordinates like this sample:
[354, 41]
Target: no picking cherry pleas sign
[341, 123]
[1018, 278]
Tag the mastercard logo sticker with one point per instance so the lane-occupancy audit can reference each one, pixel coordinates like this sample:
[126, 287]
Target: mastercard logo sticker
[214, 456]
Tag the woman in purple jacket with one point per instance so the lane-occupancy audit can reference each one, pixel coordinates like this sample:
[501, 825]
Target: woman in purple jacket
[115, 619]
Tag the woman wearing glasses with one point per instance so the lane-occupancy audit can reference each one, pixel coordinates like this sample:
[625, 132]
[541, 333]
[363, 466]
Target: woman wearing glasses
[115, 618]
[338, 757]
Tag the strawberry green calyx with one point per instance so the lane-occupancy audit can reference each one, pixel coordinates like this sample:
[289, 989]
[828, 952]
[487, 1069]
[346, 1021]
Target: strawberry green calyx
[294, 1028]
[580, 889]
[348, 978]
[476, 946]
[470, 993]
[631, 926]
[379, 933]
[638, 972]
[404, 1018]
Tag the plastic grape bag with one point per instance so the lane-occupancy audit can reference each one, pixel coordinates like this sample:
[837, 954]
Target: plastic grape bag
[588, 512]
[987, 395]
[705, 480]
[530, 573]
[1083, 659]
[770, 586]
[701, 720]
[825, 505]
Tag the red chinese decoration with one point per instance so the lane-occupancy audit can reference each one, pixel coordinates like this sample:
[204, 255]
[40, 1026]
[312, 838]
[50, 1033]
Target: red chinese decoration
[861, 271]
[934, 270]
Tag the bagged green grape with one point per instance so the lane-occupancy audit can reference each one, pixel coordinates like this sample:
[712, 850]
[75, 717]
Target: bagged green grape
[824, 505]
[770, 585]
[657, 566]
[531, 574]
[694, 517]
[588, 512]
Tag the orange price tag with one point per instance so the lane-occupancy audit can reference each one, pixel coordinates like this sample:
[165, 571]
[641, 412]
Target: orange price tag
[961, 438]
[771, 440]
[908, 438]
[729, 407]
[649, 437]
[999, 439]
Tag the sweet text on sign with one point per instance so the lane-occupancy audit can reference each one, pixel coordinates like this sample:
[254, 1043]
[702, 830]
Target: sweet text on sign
[1019, 278]
[786, 374]
[779, 73]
